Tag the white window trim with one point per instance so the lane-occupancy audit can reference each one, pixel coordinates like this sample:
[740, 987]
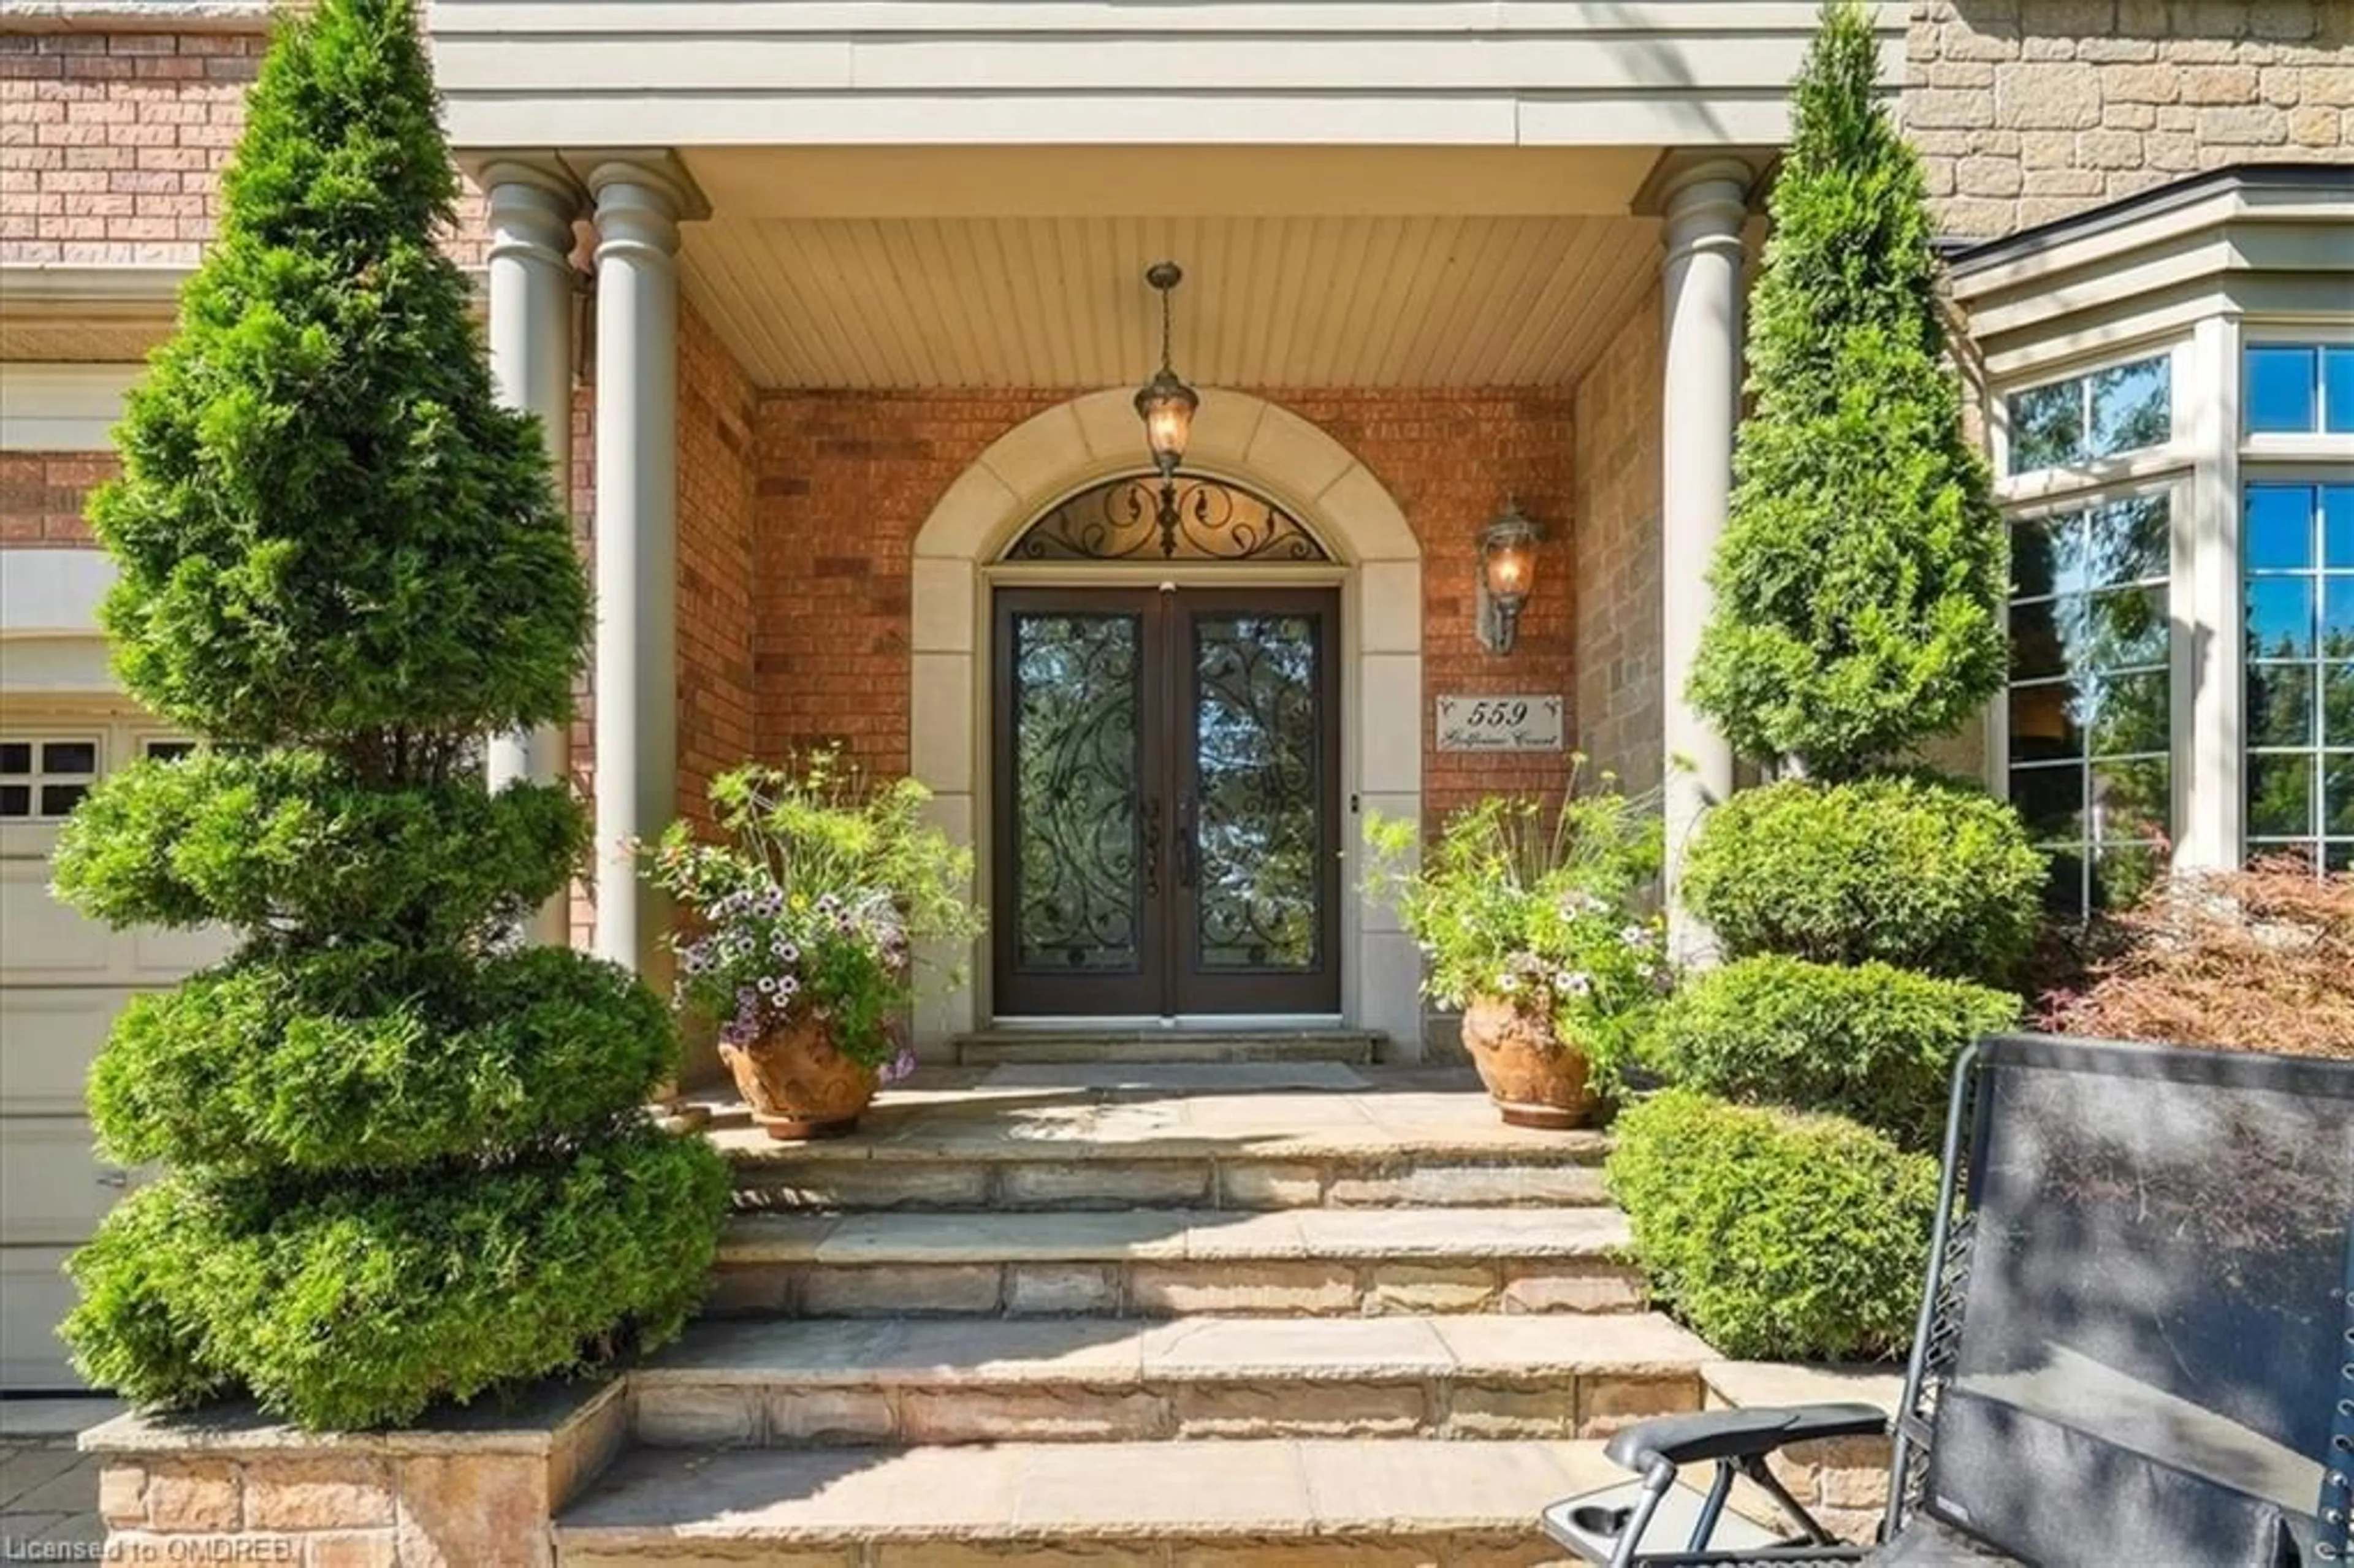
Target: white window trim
[2285, 332]
[2263, 472]
[2174, 452]
[47, 735]
[2177, 485]
[2244, 458]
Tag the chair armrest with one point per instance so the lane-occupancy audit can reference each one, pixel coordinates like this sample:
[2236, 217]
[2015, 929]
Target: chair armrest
[1738, 1434]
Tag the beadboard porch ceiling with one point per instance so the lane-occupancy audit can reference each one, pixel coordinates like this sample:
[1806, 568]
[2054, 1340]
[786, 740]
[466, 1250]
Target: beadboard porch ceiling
[1401, 269]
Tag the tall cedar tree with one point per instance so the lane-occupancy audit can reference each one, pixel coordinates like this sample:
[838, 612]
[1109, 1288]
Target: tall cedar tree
[1859, 595]
[1860, 585]
[407, 1162]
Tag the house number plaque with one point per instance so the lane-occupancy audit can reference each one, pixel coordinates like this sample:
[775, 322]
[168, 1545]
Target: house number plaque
[1514, 723]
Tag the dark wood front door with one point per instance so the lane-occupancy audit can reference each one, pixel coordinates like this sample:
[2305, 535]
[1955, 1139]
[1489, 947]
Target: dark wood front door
[1167, 802]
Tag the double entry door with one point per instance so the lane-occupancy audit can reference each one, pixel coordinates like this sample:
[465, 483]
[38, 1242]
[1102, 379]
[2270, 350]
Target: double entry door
[1167, 802]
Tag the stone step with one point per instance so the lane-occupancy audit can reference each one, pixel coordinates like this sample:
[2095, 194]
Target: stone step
[1003, 1047]
[1237, 1136]
[914, 1382]
[1299, 1503]
[1176, 1263]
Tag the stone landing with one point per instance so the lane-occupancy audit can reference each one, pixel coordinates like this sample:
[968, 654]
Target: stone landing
[1110, 1313]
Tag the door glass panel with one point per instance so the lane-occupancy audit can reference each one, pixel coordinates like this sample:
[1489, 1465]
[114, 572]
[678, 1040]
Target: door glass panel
[1259, 732]
[1076, 709]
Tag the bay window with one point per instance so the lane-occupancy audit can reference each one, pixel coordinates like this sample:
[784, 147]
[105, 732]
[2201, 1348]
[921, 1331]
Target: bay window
[2088, 727]
[2168, 385]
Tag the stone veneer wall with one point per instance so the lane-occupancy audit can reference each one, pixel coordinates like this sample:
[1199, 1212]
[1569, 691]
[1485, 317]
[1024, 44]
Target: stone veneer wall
[1616, 552]
[845, 480]
[2027, 110]
[475, 1488]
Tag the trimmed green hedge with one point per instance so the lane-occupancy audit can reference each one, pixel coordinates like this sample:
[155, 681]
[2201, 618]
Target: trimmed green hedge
[290, 840]
[374, 1057]
[456, 1280]
[1923, 873]
[1872, 1042]
[1776, 1235]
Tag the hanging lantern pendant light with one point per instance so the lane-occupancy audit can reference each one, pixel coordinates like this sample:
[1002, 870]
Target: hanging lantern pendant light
[1166, 406]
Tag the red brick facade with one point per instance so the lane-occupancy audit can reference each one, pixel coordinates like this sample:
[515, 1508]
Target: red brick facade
[41, 496]
[111, 143]
[847, 480]
[717, 428]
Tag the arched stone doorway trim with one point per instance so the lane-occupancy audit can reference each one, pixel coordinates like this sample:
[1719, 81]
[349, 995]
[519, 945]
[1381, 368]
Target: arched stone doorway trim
[1376, 560]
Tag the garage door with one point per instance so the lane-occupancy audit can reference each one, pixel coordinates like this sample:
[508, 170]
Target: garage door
[62, 979]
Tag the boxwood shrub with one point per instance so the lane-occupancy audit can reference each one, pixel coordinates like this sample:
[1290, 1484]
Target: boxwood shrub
[354, 1305]
[375, 1057]
[1923, 873]
[295, 839]
[1871, 1042]
[1774, 1233]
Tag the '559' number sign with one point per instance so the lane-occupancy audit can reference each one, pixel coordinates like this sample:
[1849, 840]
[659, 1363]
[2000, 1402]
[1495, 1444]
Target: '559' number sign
[1511, 723]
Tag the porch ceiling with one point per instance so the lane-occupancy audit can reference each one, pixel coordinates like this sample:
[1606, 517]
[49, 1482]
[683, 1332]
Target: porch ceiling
[1331, 300]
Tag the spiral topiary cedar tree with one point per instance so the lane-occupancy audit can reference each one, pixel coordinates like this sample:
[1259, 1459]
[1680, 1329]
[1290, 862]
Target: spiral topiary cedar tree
[404, 1161]
[1860, 580]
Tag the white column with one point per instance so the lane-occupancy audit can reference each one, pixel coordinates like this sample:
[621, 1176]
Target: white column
[1706, 208]
[532, 207]
[638, 209]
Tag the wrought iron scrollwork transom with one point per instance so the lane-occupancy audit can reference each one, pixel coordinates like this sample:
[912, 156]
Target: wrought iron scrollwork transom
[1121, 520]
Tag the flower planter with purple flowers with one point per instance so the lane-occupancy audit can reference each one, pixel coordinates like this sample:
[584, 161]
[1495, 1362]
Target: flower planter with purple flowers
[799, 936]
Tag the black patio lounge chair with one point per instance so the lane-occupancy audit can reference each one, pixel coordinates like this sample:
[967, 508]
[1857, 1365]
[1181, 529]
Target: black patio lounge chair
[2136, 1345]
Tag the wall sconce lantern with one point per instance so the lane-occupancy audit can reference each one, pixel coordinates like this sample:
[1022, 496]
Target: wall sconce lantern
[1166, 406]
[1507, 566]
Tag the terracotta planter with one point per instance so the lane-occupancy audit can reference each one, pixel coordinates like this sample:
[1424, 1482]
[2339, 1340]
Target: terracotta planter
[1534, 1079]
[798, 1085]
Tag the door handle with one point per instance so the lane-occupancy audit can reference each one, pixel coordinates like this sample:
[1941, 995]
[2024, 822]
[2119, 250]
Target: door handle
[1152, 846]
[1187, 850]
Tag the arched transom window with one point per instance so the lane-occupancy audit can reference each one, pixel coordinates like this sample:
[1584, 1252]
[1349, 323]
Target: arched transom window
[1122, 520]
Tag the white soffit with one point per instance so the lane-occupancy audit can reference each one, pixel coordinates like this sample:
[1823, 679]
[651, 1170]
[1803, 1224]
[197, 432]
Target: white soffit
[62, 407]
[1363, 301]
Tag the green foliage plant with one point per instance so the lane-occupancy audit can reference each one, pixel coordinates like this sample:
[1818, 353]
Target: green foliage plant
[1537, 904]
[405, 1162]
[1927, 874]
[1860, 585]
[1867, 1041]
[816, 906]
[1775, 1233]
[1860, 594]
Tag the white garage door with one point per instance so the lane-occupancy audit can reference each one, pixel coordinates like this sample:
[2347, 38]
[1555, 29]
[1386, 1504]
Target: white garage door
[62, 979]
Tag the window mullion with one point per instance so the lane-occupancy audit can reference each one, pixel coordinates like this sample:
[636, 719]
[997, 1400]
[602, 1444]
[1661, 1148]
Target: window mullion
[2211, 647]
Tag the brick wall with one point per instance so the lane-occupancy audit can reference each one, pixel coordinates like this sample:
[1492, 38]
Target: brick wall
[114, 142]
[717, 420]
[1621, 725]
[2027, 110]
[111, 145]
[846, 479]
[1449, 460]
[41, 496]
